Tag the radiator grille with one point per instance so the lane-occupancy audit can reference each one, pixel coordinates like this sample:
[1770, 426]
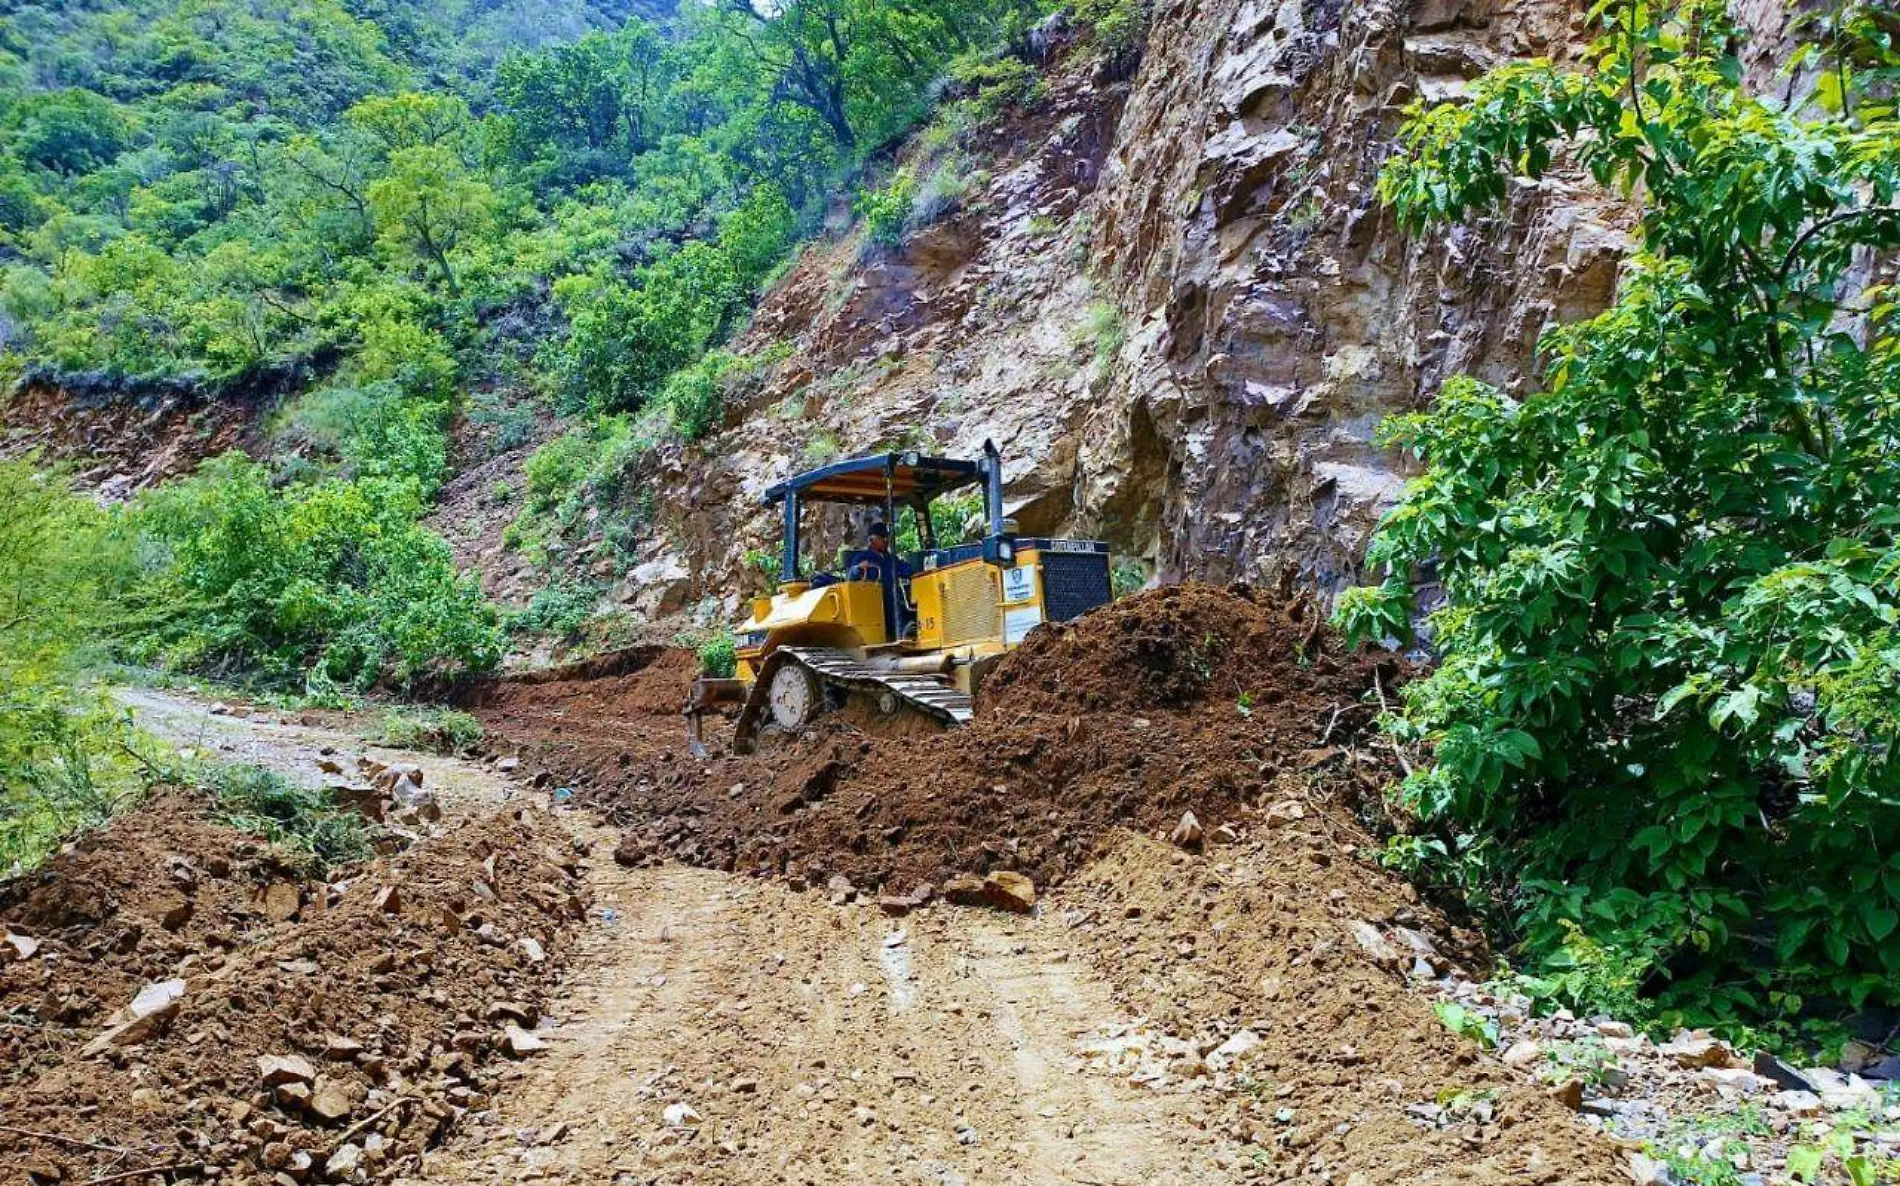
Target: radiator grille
[1073, 584]
[970, 605]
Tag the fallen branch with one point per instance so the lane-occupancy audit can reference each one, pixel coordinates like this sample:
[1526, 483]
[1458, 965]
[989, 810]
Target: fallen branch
[1327, 735]
[366, 1121]
[146, 1172]
[1398, 752]
[57, 1139]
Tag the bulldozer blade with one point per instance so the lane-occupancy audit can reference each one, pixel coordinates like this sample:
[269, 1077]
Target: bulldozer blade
[706, 694]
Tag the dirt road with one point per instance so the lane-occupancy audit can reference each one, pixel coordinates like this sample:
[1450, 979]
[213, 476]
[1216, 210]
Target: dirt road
[724, 1029]
[463, 788]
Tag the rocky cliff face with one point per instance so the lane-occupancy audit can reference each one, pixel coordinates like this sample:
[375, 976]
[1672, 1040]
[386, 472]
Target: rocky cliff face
[1173, 301]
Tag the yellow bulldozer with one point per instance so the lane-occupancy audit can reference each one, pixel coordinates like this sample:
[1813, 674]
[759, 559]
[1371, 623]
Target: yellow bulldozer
[893, 634]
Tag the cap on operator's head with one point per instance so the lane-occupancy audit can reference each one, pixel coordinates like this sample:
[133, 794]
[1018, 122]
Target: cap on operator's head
[880, 531]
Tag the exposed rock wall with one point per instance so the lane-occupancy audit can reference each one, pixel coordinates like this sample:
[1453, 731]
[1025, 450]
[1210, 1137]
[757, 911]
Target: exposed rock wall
[1279, 313]
[1174, 301]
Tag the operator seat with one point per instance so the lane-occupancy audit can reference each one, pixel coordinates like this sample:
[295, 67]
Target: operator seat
[895, 585]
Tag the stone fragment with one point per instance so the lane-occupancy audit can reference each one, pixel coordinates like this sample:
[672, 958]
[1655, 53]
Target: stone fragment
[1615, 1029]
[1234, 1048]
[1857, 1096]
[331, 1099]
[1569, 1093]
[508, 765]
[1798, 1103]
[274, 1070]
[1373, 942]
[1187, 834]
[343, 1163]
[1011, 891]
[1727, 1080]
[520, 1042]
[281, 901]
[680, 1115]
[1696, 1050]
[531, 948]
[964, 890]
[176, 916]
[16, 946]
[341, 1049]
[147, 1016]
[1784, 1075]
[389, 900]
[1522, 1054]
[1284, 812]
[840, 888]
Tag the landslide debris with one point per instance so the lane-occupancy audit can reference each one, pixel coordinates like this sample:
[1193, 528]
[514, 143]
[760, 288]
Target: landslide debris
[1296, 973]
[1186, 699]
[188, 1005]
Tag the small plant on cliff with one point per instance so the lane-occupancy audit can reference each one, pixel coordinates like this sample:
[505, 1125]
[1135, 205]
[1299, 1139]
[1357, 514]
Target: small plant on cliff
[1665, 717]
[718, 655]
[886, 212]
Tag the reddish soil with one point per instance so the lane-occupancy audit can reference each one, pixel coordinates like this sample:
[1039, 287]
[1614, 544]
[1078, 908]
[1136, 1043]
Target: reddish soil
[1188, 698]
[121, 441]
[391, 1000]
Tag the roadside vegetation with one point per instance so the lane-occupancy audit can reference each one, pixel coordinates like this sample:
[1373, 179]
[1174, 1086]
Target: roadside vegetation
[1658, 751]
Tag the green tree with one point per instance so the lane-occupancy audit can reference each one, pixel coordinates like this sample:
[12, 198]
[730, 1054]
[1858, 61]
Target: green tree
[71, 131]
[427, 204]
[1664, 718]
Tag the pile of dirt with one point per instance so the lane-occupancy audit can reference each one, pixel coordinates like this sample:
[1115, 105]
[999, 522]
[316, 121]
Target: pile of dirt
[122, 909]
[1184, 699]
[177, 1001]
[1175, 647]
[608, 698]
[1290, 969]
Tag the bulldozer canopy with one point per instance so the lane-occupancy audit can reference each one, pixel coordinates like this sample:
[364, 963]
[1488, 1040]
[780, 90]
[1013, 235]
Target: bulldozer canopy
[904, 478]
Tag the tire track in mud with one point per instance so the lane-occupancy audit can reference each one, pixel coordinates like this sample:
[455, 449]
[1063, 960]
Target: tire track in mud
[724, 1030]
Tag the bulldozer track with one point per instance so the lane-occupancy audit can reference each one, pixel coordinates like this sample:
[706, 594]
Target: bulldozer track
[838, 671]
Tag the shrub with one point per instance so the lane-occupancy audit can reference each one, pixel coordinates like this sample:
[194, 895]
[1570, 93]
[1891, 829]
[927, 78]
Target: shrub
[561, 609]
[587, 467]
[245, 576]
[886, 212]
[376, 431]
[1117, 26]
[304, 820]
[61, 762]
[1664, 719]
[996, 87]
[719, 656]
[442, 730]
[694, 399]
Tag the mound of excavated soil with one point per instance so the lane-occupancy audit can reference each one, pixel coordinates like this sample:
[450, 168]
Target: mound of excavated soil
[1175, 647]
[1281, 968]
[1189, 698]
[388, 994]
